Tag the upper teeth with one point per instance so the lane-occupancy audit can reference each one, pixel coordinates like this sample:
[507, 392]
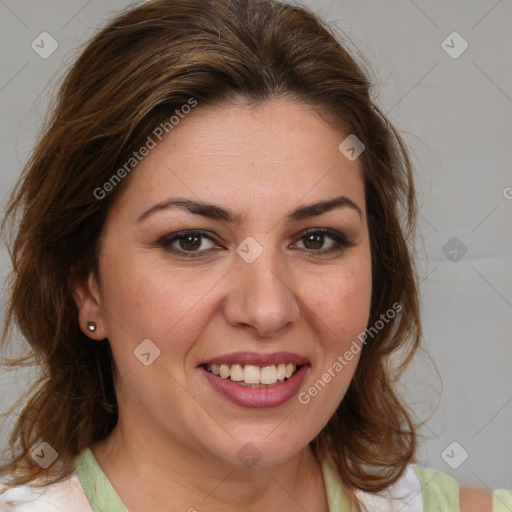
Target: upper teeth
[251, 374]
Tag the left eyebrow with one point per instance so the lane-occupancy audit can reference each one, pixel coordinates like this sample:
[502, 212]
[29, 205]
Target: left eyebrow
[217, 212]
[311, 210]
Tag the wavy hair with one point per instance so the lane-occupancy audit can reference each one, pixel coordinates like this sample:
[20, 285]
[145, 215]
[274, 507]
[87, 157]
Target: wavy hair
[130, 77]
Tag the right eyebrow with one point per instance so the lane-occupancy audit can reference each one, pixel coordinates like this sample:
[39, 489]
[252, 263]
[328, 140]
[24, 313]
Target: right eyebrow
[211, 211]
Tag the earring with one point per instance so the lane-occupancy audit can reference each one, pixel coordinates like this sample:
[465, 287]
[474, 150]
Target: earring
[91, 326]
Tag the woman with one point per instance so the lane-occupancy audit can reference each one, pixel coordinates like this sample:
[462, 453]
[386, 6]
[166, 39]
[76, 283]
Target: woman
[211, 270]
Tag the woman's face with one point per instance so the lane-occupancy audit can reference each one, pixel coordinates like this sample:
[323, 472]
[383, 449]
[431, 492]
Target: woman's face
[273, 275]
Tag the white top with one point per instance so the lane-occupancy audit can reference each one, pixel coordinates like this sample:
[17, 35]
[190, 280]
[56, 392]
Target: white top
[65, 496]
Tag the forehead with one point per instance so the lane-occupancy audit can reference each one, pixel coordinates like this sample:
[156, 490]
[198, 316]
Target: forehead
[276, 152]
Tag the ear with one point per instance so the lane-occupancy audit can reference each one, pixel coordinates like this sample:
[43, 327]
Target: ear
[85, 291]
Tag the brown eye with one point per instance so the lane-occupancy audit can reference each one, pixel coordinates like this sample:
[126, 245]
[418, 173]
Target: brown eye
[313, 241]
[191, 243]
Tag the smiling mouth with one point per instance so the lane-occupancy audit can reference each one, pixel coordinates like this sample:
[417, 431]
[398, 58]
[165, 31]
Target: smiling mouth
[252, 376]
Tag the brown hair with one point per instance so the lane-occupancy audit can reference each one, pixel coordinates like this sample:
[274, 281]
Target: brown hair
[132, 76]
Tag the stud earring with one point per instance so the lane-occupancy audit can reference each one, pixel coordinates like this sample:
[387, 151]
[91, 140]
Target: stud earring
[91, 326]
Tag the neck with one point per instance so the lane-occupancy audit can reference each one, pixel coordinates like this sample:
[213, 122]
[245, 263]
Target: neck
[168, 473]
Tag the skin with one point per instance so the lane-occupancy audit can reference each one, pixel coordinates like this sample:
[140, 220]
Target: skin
[475, 499]
[177, 439]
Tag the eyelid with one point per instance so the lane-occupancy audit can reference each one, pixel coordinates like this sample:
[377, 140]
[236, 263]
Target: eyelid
[333, 233]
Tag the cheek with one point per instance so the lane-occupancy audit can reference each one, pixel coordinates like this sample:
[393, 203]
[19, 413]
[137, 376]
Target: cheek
[342, 302]
[340, 310]
[149, 300]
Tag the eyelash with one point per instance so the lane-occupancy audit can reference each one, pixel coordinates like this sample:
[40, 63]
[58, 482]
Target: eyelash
[340, 241]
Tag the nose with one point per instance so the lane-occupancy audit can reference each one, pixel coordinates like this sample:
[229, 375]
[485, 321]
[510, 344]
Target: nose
[261, 297]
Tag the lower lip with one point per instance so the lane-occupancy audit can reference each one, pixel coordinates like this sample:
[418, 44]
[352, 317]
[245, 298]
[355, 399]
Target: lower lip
[258, 398]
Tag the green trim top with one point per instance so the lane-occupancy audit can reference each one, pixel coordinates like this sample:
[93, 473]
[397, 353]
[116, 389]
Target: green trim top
[336, 498]
[440, 491]
[97, 487]
[502, 500]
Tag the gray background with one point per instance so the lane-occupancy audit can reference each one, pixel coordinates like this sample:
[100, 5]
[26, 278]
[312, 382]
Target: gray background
[456, 116]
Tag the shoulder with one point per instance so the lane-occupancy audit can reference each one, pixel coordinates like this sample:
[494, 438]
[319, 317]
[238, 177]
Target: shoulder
[57, 497]
[475, 499]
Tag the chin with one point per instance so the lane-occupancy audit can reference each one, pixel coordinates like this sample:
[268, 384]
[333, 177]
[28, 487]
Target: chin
[258, 452]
